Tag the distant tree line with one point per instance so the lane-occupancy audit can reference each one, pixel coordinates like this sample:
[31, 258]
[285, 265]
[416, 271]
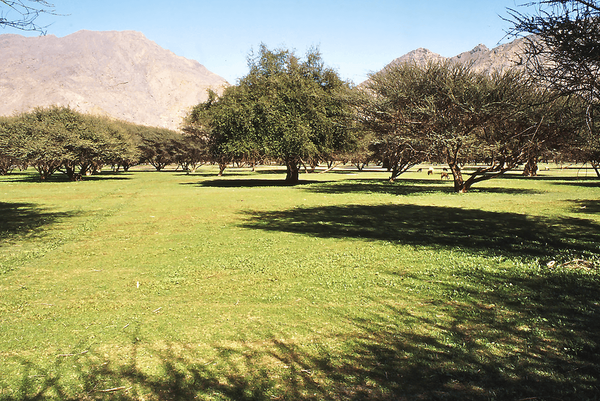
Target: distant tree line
[59, 139]
[299, 113]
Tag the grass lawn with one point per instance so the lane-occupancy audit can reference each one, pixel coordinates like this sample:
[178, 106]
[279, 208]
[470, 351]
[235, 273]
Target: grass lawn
[162, 285]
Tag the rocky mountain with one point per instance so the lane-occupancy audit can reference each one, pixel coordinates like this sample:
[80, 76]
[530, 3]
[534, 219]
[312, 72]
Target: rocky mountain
[419, 56]
[483, 59]
[120, 74]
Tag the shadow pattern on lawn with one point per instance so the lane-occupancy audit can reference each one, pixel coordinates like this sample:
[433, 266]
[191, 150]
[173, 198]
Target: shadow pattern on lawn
[250, 183]
[491, 233]
[586, 206]
[402, 187]
[25, 219]
[532, 335]
[537, 339]
[32, 177]
[588, 183]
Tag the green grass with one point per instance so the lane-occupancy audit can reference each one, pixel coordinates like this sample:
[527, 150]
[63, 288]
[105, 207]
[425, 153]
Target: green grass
[148, 285]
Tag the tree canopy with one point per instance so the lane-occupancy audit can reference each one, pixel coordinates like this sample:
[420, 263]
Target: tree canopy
[287, 109]
[445, 112]
[60, 139]
[563, 53]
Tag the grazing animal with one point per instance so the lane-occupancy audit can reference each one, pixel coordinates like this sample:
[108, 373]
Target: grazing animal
[430, 171]
[419, 170]
[444, 175]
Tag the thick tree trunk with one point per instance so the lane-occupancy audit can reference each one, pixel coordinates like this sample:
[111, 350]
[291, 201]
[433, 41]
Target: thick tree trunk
[293, 171]
[531, 168]
[596, 167]
[70, 170]
[460, 185]
[222, 167]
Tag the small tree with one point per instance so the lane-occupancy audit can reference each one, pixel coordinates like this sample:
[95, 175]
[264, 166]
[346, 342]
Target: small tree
[385, 109]
[8, 159]
[158, 146]
[213, 125]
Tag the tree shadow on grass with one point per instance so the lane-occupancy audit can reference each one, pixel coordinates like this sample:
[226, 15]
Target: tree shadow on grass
[494, 233]
[367, 186]
[28, 177]
[589, 183]
[250, 183]
[402, 187]
[25, 219]
[535, 339]
[586, 206]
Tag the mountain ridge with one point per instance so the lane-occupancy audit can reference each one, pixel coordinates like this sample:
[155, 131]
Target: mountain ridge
[483, 59]
[121, 74]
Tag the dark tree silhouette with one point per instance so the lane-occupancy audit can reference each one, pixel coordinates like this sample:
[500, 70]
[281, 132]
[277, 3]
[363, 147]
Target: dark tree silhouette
[563, 53]
[22, 14]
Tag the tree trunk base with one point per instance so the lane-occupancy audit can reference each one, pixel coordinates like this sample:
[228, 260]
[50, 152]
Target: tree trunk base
[292, 173]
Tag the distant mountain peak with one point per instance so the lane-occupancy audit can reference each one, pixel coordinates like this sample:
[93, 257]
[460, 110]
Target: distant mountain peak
[121, 74]
[480, 57]
[419, 56]
[479, 48]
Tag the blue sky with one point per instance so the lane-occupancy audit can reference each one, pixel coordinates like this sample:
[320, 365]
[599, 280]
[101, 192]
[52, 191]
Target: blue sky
[355, 36]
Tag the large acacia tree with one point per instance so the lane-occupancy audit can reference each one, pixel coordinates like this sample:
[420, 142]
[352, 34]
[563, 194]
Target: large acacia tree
[563, 53]
[286, 108]
[447, 112]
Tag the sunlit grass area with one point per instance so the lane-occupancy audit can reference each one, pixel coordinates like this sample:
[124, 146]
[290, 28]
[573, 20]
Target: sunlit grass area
[164, 285]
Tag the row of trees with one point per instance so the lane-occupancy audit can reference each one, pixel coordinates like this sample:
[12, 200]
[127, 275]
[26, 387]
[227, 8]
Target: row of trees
[61, 139]
[447, 113]
[300, 113]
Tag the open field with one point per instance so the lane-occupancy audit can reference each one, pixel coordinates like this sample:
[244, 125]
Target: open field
[148, 285]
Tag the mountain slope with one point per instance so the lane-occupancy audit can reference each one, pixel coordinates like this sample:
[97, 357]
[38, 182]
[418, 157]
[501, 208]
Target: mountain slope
[120, 74]
[483, 59]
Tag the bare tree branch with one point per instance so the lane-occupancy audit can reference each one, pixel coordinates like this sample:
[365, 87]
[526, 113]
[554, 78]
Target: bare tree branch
[22, 14]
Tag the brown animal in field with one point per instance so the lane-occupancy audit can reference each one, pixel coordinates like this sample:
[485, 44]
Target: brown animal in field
[430, 171]
[445, 175]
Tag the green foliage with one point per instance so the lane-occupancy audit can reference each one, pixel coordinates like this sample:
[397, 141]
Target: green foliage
[562, 53]
[55, 138]
[284, 109]
[158, 146]
[446, 112]
[8, 158]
